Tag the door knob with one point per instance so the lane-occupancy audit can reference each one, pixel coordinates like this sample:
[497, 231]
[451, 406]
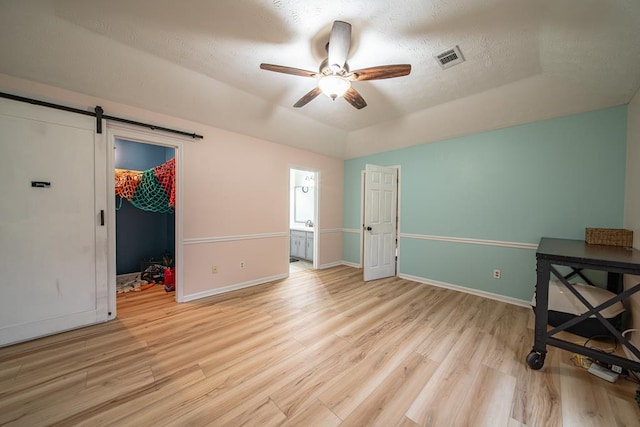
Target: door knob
[368, 228]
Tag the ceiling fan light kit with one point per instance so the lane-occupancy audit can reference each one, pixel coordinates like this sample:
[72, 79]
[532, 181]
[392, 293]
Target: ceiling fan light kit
[333, 86]
[334, 77]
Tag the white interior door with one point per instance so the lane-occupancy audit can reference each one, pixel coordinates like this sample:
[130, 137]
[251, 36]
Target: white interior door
[380, 207]
[53, 245]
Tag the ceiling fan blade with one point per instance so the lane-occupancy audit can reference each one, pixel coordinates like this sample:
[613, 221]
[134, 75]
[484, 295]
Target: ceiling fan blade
[288, 70]
[382, 72]
[308, 97]
[339, 43]
[354, 98]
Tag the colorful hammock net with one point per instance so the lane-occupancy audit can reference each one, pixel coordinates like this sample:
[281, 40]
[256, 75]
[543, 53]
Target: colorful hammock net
[152, 190]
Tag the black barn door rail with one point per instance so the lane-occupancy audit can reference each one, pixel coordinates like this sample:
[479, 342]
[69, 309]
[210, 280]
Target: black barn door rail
[98, 113]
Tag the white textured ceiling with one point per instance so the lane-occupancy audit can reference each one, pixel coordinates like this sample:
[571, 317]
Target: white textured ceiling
[526, 60]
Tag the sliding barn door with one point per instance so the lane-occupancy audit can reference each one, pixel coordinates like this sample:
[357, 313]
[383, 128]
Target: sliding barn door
[53, 246]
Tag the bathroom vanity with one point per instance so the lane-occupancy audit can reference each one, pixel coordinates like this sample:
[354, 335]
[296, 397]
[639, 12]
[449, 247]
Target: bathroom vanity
[302, 243]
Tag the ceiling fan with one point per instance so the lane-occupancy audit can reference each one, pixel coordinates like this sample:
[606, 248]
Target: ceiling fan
[334, 77]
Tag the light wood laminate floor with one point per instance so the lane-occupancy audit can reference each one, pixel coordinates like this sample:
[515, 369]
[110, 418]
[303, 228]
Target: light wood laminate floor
[320, 348]
[300, 265]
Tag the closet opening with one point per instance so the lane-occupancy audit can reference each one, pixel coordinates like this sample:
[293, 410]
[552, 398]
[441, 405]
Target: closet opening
[145, 218]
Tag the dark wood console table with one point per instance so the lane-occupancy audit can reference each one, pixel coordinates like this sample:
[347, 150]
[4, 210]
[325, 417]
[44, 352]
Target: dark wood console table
[579, 255]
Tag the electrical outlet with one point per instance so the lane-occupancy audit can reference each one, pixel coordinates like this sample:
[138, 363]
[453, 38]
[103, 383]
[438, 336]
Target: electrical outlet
[496, 274]
[241, 264]
[214, 269]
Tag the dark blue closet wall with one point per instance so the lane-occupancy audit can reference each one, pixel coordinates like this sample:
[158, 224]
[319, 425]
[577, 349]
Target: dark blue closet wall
[141, 234]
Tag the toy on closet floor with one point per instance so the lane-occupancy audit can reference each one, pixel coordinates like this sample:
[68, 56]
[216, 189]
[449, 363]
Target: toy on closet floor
[169, 279]
[135, 285]
[153, 272]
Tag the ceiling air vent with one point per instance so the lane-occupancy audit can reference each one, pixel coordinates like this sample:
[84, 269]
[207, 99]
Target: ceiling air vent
[449, 58]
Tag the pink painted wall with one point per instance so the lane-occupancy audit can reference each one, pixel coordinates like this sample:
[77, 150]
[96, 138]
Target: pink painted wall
[234, 186]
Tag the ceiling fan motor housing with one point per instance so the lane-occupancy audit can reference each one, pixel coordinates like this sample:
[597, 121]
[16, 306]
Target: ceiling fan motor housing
[326, 70]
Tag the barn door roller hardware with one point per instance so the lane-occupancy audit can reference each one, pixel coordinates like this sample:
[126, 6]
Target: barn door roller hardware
[98, 113]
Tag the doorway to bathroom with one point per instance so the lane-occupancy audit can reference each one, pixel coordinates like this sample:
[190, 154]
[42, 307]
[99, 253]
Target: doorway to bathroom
[303, 214]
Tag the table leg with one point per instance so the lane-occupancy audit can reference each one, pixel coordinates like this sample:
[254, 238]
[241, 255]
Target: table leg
[535, 359]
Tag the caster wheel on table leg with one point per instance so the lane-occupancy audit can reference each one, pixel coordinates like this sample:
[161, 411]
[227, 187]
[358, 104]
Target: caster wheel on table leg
[535, 360]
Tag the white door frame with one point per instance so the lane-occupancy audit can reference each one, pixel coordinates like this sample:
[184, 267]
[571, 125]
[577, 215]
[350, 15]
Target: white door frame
[316, 212]
[145, 137]
[362, 210]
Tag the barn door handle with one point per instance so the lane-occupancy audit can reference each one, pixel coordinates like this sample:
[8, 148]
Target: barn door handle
[102, 217]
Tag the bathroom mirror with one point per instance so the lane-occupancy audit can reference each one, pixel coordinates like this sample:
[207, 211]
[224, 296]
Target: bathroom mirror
[303, 198]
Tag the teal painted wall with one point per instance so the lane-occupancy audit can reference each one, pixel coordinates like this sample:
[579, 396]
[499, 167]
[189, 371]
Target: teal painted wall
[351, 247]
[550, 178]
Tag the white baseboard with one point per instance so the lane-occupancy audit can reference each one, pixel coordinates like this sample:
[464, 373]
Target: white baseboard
[489, 295]
[234, 287]
[351, 264]
[331, 264]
